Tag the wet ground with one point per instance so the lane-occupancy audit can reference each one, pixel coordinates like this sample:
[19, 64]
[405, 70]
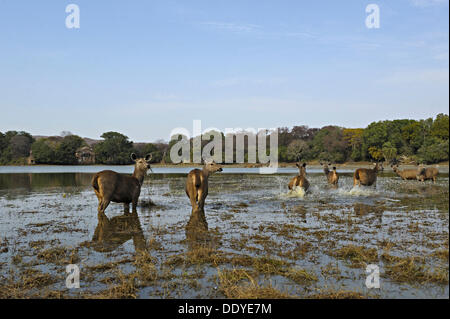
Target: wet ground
[259, 240]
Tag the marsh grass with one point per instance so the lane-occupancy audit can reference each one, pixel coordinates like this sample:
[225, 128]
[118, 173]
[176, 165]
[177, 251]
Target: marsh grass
[301, 276]
[59, 256]
[412, 270]
[337, 294]
[240, 284]
[357, 255]
[26, 284]
[145, 267]
[123, 287]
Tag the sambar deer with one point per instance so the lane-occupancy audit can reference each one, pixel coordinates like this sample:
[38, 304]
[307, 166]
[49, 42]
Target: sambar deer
[332, 176]
[197, 184]
[299, 180]
[406, 173]
[367, 176]
[110, 186]
[424, 174]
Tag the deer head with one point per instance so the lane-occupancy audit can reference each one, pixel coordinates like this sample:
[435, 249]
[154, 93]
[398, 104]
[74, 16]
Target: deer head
[142, 164]
[211, 167]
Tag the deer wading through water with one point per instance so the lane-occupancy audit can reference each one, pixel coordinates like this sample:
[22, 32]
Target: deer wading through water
[424, 174]
[299, 180]
[367, 176]
[406, 173]
[332, 176]
[110, 186]
[197, 184]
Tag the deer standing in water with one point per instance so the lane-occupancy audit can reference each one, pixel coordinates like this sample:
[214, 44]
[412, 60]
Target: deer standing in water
[424, 174]
[300, 180]
[110, 186]
[366, 176]
[406, 173]
[197, 184]
[332, 176]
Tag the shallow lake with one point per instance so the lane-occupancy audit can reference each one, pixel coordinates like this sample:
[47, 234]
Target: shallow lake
[260, 239]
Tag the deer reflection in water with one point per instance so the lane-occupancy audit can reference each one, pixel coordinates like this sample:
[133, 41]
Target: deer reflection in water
[112, 233]
[198, 236]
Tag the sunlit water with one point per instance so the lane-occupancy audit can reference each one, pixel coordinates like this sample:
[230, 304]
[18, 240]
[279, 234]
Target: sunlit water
[244, 208]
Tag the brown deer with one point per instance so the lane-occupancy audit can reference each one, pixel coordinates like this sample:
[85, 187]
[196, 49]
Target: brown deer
[300, 180]
[197, 184]
[424, 174]
[332, 176]
[110, 186]
[406, 173]
[366, 176]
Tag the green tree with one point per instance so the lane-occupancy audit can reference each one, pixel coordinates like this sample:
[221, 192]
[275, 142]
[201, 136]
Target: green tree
[329, 144]
[354, 138]
[297, 149]
[16, 146]
[375, 153]
[66, 149]
[114, 149]
[389, 152]
[150, 148]
[413, 134]
[43, 152]
[440, 127]
[433, 150]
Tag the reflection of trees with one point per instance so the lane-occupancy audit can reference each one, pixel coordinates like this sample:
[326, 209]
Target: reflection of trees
[112, 233]
[10, 181]
[31, 181]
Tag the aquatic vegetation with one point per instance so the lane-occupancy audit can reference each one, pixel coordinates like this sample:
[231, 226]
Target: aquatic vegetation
[259, 242]
[357, 255]
[230, 283]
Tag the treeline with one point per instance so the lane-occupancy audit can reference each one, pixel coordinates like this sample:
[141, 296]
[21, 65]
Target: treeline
[16, 148]
[423, 141]
[420, 141]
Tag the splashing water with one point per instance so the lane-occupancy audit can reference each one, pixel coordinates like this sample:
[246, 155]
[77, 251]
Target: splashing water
[358, 191]
[297, 191]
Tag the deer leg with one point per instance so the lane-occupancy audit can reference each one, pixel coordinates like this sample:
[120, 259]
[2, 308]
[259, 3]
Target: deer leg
[201, 201]
[126, 208]
[134, 205]
[103, 205]
[193, 202]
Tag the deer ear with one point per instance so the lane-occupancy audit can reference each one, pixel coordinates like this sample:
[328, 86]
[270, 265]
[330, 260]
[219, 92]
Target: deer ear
[304, 165]
[148, 157]
[133, 156]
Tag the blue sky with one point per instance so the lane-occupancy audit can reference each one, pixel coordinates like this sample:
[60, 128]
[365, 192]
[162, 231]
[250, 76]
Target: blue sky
[145, 67]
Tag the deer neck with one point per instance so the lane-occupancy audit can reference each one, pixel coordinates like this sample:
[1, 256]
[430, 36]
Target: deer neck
[139, 175]
[206, 172]
[302, 172]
